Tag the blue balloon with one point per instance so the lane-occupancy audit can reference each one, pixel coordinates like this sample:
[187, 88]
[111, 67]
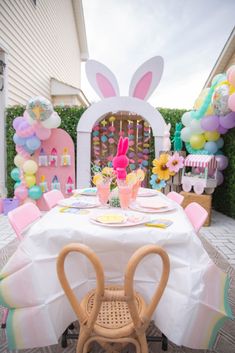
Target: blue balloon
[28, 149]
[211, 147]
[19, 140]
[95, 133]
[17, 184]
[220, 142]
[35, 192]
[15, 174]
[145, 163]
[33, 143]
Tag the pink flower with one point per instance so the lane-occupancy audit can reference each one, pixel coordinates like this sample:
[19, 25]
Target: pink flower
[175, 162]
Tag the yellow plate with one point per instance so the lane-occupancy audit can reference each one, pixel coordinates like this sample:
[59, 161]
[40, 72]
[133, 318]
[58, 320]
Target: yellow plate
[111, 218]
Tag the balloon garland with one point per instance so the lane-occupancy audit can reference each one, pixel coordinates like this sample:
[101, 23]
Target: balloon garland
[213, 117]
[30, 129]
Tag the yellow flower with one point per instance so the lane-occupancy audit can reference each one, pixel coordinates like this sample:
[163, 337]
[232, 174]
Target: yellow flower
[160, 168]
[97, 179]
[107, 171]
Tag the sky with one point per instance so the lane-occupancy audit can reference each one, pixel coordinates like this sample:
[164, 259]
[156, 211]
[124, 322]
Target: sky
[188, 34]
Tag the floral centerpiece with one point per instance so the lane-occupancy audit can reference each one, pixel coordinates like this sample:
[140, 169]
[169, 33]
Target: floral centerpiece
[165, 167]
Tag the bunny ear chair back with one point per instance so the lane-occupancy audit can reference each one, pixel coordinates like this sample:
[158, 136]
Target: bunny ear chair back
[143, 83]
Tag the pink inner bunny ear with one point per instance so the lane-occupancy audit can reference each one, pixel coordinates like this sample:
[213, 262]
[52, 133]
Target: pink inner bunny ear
[125, 145]
[146, 78]
[143, 85]
[105, 86]
[120, 146]
[101, 79]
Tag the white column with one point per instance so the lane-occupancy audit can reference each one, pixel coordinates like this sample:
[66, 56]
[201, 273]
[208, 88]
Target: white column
[83, 159]
[3, 100]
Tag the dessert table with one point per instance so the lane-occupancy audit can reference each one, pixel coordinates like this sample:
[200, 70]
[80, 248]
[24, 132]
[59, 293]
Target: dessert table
[191, 311]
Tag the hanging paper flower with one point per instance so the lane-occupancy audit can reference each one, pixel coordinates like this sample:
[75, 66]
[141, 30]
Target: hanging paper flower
[156, 182]
[175, 162]
[160, 167]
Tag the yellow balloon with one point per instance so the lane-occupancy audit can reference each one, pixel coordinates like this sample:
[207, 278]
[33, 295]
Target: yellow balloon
[212, 135]
[197, 141]
[30, 180]
[30, 167]
[19, 161]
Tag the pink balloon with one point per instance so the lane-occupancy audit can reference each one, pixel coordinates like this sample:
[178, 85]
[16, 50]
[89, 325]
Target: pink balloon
[219, 178]
[231, 102]
[221, 130]
[227, 121]
[21, 192]
[42, 132]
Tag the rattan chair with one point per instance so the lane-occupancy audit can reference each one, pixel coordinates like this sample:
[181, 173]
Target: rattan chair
[113, 315]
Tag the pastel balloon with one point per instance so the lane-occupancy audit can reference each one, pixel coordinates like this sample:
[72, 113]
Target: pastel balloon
[15, 174]
[20, 141]
[35, 192]
[39, 109]
[33, 143]
[28, 150]
[228, 121]
[52, 122]
[211, 147]
[220, 143]
[231, 102]
[195, 127]
[19, 160]
[231, 75]
[220, 100]
[210, 123]
[17, 121]
[30, 180]
[222, 162]
[186, 119]
[219, 178]
[218, 78]
[41, 132]
[186, 134]
[210, 110]
[221, 130]
[212, 135]
[197, 141]
[21, 192]
[30, 167]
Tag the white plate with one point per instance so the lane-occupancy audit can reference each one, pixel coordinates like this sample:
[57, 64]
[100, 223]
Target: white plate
[138, 208]
[87, 192]
[130, 221]
[143, 192]
[77, 203]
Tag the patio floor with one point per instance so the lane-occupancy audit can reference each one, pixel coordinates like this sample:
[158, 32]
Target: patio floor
[221, 235]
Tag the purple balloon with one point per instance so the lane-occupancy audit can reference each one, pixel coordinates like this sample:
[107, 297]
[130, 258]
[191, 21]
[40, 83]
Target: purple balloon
[219, 178]
[210, 123]
[17, 121]
[221, 130]
[23, 126]
[222, 161]
[227, 121]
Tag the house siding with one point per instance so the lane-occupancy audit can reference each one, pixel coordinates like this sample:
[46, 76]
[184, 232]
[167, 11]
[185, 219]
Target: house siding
[42, 43]
[230, 62]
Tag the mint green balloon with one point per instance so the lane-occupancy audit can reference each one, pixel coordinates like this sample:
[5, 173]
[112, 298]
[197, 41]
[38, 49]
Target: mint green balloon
[35, 192]
[15, 174]
[17, 184]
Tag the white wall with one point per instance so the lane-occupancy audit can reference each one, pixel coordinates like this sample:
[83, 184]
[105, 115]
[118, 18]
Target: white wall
[42, 42]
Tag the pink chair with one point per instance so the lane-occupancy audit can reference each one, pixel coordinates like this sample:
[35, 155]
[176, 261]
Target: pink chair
[23, 216]
[175, 196]
[52, 197]
[196, 214]
[20, 218]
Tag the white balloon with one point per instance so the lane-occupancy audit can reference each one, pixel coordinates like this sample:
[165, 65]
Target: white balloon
[53, 122]
[186, 134]
[186, 119]
[195, 127]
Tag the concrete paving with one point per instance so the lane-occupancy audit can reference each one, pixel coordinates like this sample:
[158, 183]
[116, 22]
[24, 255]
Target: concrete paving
[221, 234]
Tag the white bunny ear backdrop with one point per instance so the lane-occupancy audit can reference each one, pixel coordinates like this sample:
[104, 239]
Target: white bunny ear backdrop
[143, 83]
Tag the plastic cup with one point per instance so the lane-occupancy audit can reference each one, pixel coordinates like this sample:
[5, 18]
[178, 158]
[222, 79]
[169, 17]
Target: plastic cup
[103, 191]
[135, 189]
[125, 194]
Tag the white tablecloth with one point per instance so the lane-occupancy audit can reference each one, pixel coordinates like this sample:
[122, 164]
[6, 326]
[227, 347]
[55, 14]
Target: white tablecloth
[189, 313]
